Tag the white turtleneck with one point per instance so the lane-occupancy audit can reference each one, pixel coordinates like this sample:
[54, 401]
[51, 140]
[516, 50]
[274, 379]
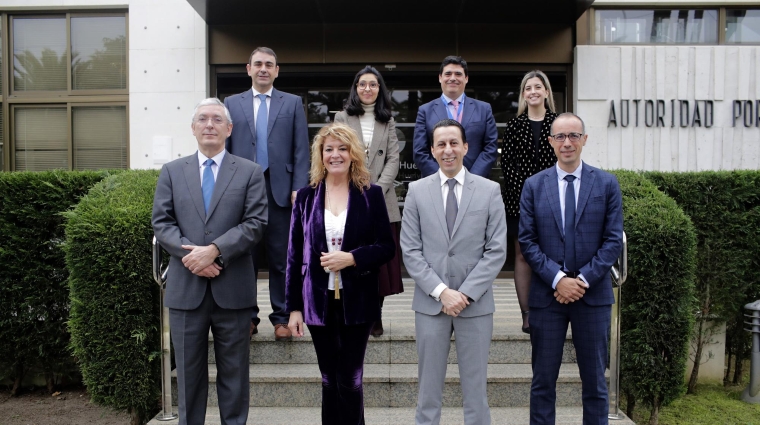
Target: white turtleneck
[368, 123]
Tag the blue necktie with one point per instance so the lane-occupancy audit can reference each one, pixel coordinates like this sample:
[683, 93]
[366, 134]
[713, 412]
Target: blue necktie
[207, 185]
[262, 157]
[570, 224]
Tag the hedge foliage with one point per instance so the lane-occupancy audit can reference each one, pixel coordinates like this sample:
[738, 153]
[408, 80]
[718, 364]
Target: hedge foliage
[725, 209]
[658, 297]
[114, 319]
[34, 294]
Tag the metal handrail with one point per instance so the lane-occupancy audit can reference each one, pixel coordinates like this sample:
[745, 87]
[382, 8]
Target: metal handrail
[619, 274]
[159, 275]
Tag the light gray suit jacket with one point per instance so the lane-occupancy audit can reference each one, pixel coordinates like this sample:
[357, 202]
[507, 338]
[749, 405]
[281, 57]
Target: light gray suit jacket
[382, 159]
[471, 259]
[235, 222]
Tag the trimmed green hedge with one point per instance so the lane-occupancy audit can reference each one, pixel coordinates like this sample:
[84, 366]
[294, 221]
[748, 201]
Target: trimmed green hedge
[725, 209]
[658, 297]
[34, 294]
[114, 319]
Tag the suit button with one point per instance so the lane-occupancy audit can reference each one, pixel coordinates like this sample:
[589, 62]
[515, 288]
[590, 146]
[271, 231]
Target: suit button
[207, 233]
[451, 254]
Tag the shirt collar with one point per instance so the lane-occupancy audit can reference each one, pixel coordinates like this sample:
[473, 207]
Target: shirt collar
[217, 158]
[461, 96]
[459, 177]
[577, 173]
[268, 92]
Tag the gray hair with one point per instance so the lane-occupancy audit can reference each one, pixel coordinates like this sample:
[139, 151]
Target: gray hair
[569, 115]
[211, 101]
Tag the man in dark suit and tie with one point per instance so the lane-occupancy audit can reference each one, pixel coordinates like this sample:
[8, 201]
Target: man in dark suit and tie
[475, 116]
[209, 211]
[272, 132]
[571, 231]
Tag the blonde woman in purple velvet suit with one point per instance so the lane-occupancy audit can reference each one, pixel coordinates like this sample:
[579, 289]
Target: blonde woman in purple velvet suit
[339, 237]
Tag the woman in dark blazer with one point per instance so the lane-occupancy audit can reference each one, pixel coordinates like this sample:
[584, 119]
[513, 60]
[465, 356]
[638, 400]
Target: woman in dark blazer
[526, 151]
[339, 238]
[368, 113]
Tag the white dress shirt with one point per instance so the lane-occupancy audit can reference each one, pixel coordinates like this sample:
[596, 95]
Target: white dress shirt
[562, 184]
[257, 102]
[214, 168]
[445, 193]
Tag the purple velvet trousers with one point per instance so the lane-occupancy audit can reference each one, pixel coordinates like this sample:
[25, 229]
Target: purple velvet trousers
[340, 352]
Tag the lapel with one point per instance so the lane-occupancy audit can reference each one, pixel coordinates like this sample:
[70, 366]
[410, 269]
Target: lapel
[223, 178]
[274, 109]
[355, 209]
[193, 179]
[440, 110]
[434, 188]
[551, 191]
[587, 183]
[317, 226]
[246, 102]
[468, 189]
[469, 110]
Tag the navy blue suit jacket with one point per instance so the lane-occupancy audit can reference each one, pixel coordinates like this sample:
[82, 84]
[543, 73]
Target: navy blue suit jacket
[480, 132]
[287, 141]
[598, 233]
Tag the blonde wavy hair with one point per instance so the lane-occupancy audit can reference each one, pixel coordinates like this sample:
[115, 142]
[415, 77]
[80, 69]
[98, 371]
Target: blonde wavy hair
[358, 173]
[522, 104]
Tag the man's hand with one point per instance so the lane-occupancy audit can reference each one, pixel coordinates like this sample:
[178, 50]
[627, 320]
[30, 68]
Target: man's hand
[211, 271]
[293, 197]
[569, 290]
[199, 257]
[337, 260]
[453, 302]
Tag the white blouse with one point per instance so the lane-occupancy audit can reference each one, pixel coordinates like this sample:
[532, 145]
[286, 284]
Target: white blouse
[334, 228]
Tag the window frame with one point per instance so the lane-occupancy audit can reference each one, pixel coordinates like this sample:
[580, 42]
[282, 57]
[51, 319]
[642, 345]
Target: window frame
[725, 23]
[721, 23]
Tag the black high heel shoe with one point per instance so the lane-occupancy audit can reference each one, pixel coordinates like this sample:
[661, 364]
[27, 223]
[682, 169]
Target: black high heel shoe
[525, 329]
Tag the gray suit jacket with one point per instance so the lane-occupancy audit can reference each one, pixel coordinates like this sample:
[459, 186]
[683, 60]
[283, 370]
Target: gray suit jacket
[471, 259]
[235, 223]
[382, 159]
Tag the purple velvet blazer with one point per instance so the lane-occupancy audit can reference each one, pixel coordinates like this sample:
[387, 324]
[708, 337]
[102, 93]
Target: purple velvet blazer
[367, 236]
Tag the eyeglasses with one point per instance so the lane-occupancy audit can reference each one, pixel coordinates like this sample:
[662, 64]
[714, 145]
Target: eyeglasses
[214, 120]
[363, 85]
[574, 137]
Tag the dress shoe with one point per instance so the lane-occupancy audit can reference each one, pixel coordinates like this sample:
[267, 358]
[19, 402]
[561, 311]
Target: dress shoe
[525, 329]
[254, 330]
[282, 333]
[377, 328]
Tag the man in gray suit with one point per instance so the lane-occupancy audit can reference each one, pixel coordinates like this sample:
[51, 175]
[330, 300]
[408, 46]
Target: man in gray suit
[272, 132]
[209, 211]
[453, 237]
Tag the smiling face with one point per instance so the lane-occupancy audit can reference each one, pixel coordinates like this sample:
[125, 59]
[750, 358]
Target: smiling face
[263, 70]
[211, 128]
[453, 81]
[535, 92]
[449, 149]
[336, 156]
[568, 152]
[368, 95]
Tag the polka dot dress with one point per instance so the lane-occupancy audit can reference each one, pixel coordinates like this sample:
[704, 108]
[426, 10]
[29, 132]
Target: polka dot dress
[519, 160]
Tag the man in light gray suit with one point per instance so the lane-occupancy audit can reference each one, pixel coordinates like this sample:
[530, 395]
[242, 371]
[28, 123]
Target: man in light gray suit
[453, 237]
[209, 210]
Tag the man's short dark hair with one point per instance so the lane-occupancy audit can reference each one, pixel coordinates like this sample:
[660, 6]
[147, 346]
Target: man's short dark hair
[456, 60]
[448, 122]
[268, 51]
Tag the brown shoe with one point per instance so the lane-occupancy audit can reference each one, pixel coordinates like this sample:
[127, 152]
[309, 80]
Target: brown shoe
[254, 330]
[377, 328]
[282, 333]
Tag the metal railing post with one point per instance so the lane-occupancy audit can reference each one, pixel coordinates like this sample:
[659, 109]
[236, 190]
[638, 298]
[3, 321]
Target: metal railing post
[752, 393]
[159, 275]
[619, 274]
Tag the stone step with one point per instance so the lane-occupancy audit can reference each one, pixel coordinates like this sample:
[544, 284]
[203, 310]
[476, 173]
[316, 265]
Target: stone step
[393, 385]
[390, 416]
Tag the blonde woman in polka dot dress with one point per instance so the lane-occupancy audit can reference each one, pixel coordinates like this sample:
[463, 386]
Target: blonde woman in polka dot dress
[526, 151]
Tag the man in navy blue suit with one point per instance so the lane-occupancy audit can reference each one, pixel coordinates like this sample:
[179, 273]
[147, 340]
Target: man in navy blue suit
[271, 131]
[475, 116]
[570, 249]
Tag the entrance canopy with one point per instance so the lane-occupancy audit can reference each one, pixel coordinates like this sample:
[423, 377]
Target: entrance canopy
[231, 12]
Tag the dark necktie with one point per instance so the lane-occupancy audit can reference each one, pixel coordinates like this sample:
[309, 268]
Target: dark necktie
[262, 157]
[451, 206]
[207, 185]
[570, 224]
